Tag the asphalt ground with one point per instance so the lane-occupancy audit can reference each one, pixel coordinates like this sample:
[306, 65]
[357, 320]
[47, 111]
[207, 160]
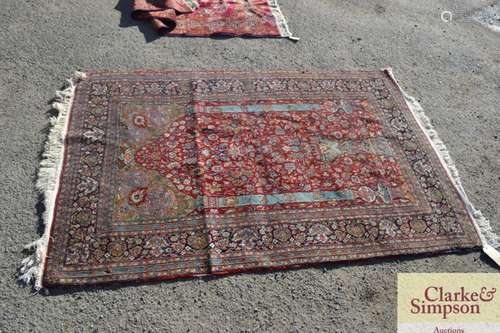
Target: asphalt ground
[451, 67]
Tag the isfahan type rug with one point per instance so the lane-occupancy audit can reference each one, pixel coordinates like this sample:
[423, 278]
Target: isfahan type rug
[165, 174]
[257, 18]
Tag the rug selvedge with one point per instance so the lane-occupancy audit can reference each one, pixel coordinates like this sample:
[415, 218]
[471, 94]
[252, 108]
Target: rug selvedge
[182, 173]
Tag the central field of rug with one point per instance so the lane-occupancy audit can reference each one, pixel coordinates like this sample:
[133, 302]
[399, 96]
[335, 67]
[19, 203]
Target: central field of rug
[172, 174]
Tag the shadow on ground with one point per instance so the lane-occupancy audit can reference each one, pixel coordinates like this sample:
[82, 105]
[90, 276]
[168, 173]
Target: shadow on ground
[126, 20]
[324, 267]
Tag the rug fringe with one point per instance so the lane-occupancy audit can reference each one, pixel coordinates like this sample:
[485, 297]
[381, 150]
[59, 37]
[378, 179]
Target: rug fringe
[281, 21]
[47, 184]
[489, 239]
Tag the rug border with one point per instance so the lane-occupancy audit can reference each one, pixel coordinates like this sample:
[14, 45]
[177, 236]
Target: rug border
[488, 238]
[33, 267]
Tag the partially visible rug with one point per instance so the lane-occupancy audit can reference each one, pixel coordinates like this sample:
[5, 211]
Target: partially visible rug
[258, 18]
[167, 174]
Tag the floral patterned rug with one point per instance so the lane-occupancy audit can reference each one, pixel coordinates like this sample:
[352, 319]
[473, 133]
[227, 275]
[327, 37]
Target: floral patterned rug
[257, 18]
[171, 174]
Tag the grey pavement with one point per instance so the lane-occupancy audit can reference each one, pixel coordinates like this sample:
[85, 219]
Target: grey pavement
[452, 68]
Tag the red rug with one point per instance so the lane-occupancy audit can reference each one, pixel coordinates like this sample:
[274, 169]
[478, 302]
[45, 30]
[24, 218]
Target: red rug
[167, 174]
[258, 18]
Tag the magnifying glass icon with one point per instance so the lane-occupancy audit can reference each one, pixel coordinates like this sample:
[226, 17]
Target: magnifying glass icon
[446, 16]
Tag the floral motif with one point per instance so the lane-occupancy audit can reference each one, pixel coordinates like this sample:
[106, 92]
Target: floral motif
[116, 248]
[418, 226]
[156, 245]
[126, 156]
[198, 240]
[282, 234]
[140, 121]
[355, 229]
[137, 196]
[245, 237]
[388, 227]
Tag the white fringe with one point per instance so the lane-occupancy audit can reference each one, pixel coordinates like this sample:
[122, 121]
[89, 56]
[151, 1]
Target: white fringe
[489, 239]
[281, 21]
[47, 184]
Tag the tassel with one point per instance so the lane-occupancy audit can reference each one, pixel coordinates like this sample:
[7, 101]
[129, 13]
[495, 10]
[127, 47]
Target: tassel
[492, 253]
[31, 269]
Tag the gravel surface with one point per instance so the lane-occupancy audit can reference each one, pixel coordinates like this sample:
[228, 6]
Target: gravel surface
[490, 17]
[452, 68]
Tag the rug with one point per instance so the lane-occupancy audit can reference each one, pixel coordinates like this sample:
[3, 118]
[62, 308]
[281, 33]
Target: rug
[152, 175]
[257, 18]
